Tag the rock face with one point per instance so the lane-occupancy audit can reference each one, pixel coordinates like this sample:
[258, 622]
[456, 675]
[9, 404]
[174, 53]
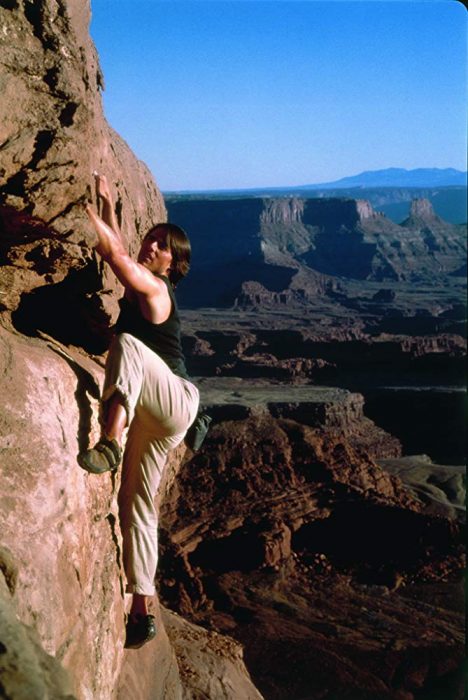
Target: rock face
[53, 135]
[58, 525]
[286, 251]
[26, 670]
[211, 664]
[284, 532]
[61, 583]
[62, 608]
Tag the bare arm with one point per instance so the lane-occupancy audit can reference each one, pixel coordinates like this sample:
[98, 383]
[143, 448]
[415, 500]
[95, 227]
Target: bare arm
[130, 273]
[108, 210]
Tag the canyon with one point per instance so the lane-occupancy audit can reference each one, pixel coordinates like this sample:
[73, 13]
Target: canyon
[313, 547]
[295, 249]
[325, 337]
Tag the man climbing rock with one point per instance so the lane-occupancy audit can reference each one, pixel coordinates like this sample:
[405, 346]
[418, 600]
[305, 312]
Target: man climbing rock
[146, 389]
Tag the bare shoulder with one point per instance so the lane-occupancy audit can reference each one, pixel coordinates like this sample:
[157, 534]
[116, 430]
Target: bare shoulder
[143, 282]
[160, 287]
[155, 288]
[155, 305]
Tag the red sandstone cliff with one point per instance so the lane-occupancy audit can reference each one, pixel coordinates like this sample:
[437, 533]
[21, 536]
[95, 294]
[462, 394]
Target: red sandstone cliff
[61, 587]
[53, 135]
[338, 580]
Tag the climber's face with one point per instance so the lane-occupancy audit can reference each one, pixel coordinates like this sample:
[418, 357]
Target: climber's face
[155, 253]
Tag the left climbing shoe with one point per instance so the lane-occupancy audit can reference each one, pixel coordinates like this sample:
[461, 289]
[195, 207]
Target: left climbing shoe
[105, 456]
[140, 629]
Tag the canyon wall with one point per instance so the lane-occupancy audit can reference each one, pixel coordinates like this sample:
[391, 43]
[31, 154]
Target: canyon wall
[334, 576]
[292, 250]
[274, 480]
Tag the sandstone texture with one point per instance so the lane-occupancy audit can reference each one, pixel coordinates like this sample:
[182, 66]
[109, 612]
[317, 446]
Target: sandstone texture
[211, 664]
[62, 606]
[53, 136]
[26, 670]
[58, 524]
[186, 662]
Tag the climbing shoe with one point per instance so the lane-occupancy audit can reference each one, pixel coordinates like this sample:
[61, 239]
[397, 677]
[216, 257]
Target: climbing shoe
[139, 630]
[105, 456]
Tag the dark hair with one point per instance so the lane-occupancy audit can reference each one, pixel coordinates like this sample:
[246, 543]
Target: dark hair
[179, 244]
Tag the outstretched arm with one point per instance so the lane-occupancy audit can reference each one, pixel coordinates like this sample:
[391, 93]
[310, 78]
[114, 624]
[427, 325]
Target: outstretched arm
[108, 210]
[130, 273]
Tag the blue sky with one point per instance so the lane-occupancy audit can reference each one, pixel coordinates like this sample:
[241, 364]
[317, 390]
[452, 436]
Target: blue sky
[216, 94]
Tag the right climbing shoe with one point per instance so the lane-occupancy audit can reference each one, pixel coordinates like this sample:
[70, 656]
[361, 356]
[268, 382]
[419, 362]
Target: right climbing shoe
[105, 456]
[139, 630]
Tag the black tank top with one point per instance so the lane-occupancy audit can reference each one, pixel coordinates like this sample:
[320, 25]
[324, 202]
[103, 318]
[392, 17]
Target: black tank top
[163, 338]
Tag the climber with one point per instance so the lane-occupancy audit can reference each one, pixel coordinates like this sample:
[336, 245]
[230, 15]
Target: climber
[146, 388]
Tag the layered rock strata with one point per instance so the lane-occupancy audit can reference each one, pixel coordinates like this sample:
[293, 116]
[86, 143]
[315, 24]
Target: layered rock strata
[288, 251]
[336, 411]
[297, 351]
[303, 548]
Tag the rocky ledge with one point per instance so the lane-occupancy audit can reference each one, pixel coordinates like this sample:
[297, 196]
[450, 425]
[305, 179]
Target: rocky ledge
[336, 411]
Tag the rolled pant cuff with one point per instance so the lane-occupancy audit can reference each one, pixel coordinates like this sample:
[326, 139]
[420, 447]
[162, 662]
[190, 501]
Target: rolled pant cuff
[140, 590]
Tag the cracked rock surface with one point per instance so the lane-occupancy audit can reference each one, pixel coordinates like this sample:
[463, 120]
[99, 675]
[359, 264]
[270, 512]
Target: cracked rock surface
[53, 135]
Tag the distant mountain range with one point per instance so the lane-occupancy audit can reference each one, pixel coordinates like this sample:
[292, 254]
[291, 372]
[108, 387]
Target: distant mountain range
[390, 177]
[398, 177]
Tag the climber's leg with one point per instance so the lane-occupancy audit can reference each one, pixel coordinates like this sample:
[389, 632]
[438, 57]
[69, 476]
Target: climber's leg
[122, 387]
[166, 407]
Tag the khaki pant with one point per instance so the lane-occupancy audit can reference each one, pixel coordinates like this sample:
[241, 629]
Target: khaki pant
[160, 407]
